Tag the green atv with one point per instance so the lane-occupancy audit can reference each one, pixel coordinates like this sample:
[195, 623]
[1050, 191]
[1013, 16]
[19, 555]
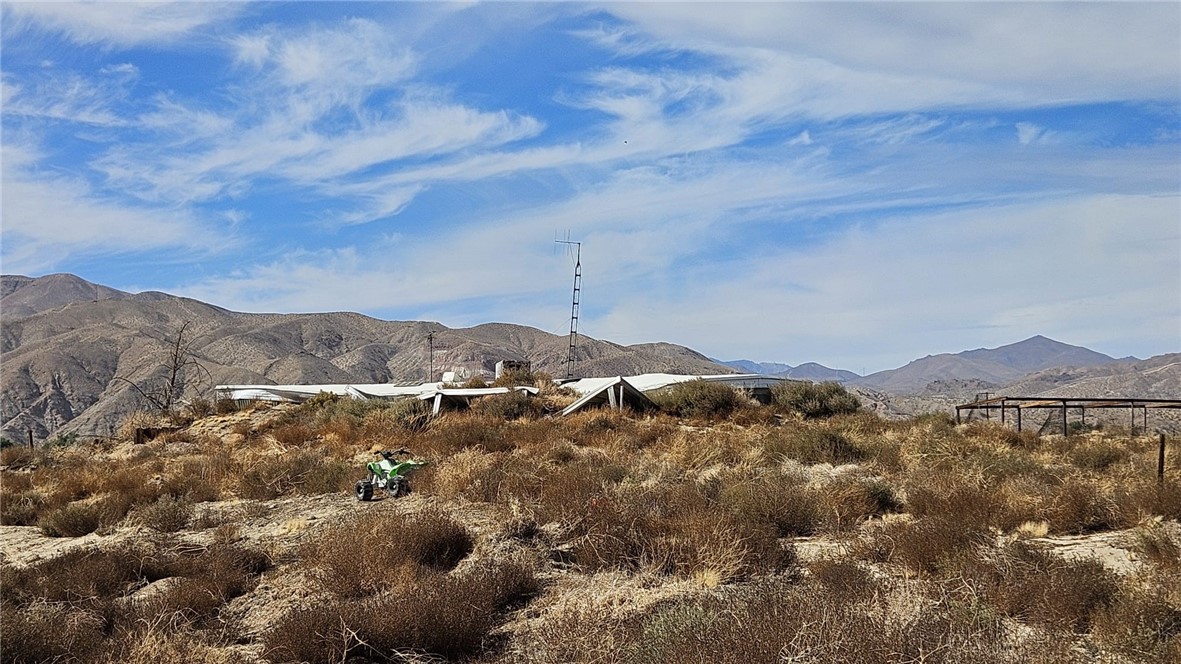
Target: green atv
[389, 474]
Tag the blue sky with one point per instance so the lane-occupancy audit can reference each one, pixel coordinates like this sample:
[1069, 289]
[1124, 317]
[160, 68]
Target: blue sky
[851, 184]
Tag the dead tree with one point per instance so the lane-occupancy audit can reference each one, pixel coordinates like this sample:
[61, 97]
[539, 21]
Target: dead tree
[182, 368]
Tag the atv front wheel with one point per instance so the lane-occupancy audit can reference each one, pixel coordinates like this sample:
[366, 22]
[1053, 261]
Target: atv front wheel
[398, 487]
[363, 490]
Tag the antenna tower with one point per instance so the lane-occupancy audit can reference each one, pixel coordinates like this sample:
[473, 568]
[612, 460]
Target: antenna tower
[574, 305]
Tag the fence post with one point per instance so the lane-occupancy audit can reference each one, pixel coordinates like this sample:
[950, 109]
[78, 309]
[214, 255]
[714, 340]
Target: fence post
[1160, 460]
[30, 438]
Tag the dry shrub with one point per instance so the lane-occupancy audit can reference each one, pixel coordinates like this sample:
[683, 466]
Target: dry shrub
[139, 419]
[1082, 505]
[21, 508]
[815, 400]
[1038, 587]
[1142, 498]
[294, 434]
[455, 432]
[811, 445]
[305, 472]
[927, 546]
[1142, 624]
[77, 575]
[159, 642]
[166, 515]
[200, 479]
[441, 615]
[847, 501]
[17, 458]
[775, 621]
[509, 406]
[673, 530]
[700, 399]
[402, 415]
[72, 520]
[204, 582]
[49, 632]
[392, 543]
[1153, 543]
[942, 495]
[843, 577]
[781, 501]
[1097, 454]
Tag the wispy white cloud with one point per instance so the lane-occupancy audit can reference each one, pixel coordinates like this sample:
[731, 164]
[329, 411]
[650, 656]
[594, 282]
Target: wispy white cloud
[936, 282]
[1036, 52]
[69, 97]
[51, 219]
[119, 24]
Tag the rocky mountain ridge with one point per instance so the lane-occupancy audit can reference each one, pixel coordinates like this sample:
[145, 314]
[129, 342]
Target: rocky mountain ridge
[72, 359]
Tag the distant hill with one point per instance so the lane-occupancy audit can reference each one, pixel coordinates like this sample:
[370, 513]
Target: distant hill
[1157, 377]
[70, 350]
[996, 366]
[806, 371]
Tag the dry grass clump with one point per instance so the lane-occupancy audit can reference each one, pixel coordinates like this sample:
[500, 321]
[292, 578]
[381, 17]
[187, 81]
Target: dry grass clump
[1041, 588]
[433, 615]
[510, 406]
[781, 501]
[87, 605]
[166, 515]
[700, 400]
[357, 557]
[72, 520]
[673, 530]
[1141, 623]
[304, 472]
[815, 400]
[810, 445]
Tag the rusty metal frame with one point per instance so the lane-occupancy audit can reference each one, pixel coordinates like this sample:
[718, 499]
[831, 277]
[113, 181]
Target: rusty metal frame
[988, 404]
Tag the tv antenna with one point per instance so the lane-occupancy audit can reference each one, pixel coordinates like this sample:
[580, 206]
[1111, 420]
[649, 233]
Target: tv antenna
[574, 305]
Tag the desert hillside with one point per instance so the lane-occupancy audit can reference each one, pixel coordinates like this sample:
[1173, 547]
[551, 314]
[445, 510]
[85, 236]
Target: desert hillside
[74, 352]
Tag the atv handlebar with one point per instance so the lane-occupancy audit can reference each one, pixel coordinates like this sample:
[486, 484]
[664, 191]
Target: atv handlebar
[385, 454]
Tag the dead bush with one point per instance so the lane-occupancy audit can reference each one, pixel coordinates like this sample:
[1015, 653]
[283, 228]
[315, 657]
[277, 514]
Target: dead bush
[453, 432]
[429, 540]
[1082, 505]
[48, 632]
[927, 546]
[1098, 454]
[437, 615]
[166, 515]
[843, 577]
[72, 520]
[305, 472]
[780, 501]
[1142, 624]
[510, 406]
[1039, 587]
[846, 501]
[811, 445]
[700, 399]
[78, 575]
[21, 508]
[295, 434]
[673, 530]
[815, 400]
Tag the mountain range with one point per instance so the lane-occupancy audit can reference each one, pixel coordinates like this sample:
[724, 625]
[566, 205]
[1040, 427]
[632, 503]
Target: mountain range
[73, 353]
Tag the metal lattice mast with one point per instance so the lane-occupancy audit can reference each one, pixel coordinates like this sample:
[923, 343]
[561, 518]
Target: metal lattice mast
[574, 306]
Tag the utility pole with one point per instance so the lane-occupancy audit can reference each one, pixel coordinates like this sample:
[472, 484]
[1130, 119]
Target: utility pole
[574, 305]
[430, 338]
